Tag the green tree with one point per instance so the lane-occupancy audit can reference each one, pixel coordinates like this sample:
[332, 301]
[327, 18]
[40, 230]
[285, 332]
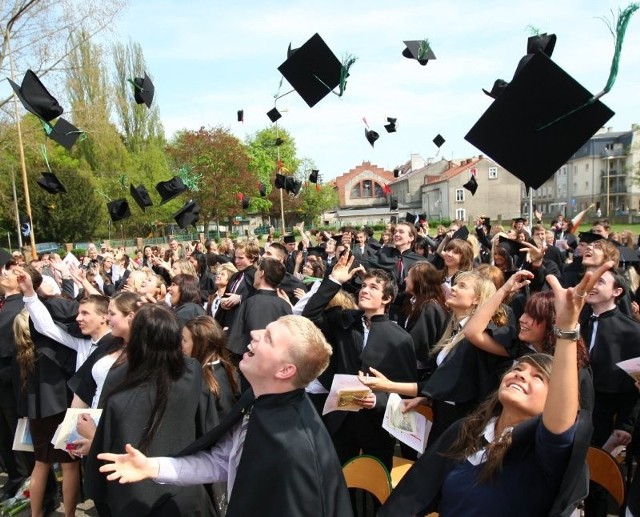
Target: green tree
[220, 160]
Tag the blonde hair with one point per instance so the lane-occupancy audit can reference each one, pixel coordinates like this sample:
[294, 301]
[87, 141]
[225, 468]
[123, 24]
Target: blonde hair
[137, 278]
[343, 300]
[228, 267]
[185, 267]
[25, 349]
[483, 289]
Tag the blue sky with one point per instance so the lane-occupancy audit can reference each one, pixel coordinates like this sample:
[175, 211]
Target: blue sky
[210, 58]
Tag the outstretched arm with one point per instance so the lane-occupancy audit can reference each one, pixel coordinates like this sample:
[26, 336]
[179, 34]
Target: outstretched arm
[562, 404]
[130, 467]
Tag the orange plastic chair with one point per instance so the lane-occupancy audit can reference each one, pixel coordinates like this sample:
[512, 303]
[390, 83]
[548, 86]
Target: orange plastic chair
[368, 473]
[605, 470]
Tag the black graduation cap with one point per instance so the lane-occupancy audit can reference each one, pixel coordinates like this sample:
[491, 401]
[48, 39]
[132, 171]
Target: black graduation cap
[65, 133]
[51, 183]
[512, 246]
[274, 115]
[393, 203]
[391, 125]
[140, 196]
[315, 251]
[498, 87]
[411, 218]
[519, 220]
[5, 257]
[245, 201]
[439, 140]
[313, 70]
[313, 177]
[189, 214]
[170, 189]
[35, 97]
[419, 50]
[396, 172]
[292, 185]
[279, 141]
[589, 237]
[544, 43]
[143, 90]
[289, 239]
[461, 233]
[25, 225]
[371, 136]
[541, 119]
[262, 188]
[240, 115]
[471, 185]
[119, 209]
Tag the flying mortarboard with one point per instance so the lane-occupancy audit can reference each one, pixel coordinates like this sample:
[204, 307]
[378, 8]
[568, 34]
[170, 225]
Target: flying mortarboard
[314, 71]
[64, 133]
[51, 183]
[471, 185]
[274, 114]
[461, 233]
[279, 141]
[396, 172]
[240, 115]
[371, 136]
[313, 177]
[419, 50]
[439, 140]
[143, 90]
[511, 245]
[36, 98]
[170, 189]
[391, 125]
[140, 196]
[498, 87]
[118, 209]
[189, 214]
[292, 185]
[540, 120]
[279, 181]
[589, 237]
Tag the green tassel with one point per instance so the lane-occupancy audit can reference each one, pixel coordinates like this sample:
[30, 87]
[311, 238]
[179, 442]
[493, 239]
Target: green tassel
[533, 31]
[43, 152]
[122, 179]
[137, 87]
[423, 49]
[190, 179]
[348, 60]
[618, 36]
[46, 127]
[100, 192]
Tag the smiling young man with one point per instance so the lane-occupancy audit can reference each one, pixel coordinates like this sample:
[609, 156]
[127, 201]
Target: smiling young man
[362, 339]
[272, 448]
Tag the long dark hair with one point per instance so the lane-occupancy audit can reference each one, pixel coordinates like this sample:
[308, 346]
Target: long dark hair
[426, 280]
[189, 288]
[154, 356]
[209, 344]
[201, 263]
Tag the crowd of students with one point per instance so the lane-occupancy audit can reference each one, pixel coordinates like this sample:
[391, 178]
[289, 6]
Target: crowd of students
[511, 335]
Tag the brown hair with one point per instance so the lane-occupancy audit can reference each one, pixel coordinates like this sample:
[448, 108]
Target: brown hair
[426, 288]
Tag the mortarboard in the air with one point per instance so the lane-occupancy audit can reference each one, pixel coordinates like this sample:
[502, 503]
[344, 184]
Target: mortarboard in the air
[245, 200]
[240, 115]
[279, 141]
[471, 185]
[292, 185]
[141, 196]
[36, 98]
[189, 214]
[51, 183]
[64, 133]
[411, 218]
[262, 188]
[589, 237]
[371, 136]
[118, 209]
[396, 172]
[289, 239]
[461, 233]
[439, 140]
[279, 181]
[420, 50]
[541, 119]
[314, 71]
[170, 189]
[274, 114]
[143, 90]
[313, 177]
[512, 246]
[496, 90]
[390, 126]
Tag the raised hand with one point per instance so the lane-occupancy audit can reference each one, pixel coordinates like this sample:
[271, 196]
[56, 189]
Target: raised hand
[341, 273]
[130, 467]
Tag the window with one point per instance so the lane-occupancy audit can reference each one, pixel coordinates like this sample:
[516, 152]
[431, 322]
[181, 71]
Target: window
[461, 214]
[459, 196]
[356, 192]
[493, 173]
[366, 188]
[379, 190]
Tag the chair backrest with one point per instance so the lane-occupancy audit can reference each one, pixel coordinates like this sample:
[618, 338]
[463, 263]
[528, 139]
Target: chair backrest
[368, 473]
[604, 470]
[426, 411]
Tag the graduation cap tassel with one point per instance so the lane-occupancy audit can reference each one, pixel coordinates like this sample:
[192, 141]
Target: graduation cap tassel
[624, 17]
[190, 179]
[423, 49]
[46, 127]
[349, 59]
[43, 152]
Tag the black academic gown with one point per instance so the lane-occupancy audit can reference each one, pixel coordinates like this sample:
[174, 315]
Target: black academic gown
[240, 283]
[420, 487]
[427, 329]
[123, 421]
[288, 467]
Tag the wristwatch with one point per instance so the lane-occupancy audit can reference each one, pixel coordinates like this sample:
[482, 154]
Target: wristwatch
[572, 335]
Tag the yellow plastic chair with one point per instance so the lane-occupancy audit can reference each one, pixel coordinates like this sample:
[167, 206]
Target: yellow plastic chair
[368, 473]
[605, 470]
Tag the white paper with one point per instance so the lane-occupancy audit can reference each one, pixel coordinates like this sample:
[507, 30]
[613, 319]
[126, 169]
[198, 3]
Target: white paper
[632, 367]
[66, 432]
[410, 428]
[22, 440]
[342, 382]
[70, 258]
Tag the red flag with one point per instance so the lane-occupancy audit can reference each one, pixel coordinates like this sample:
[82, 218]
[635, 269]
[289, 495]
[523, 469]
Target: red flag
[386, 189]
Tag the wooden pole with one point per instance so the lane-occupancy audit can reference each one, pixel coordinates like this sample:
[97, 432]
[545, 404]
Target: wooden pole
[25, 184]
